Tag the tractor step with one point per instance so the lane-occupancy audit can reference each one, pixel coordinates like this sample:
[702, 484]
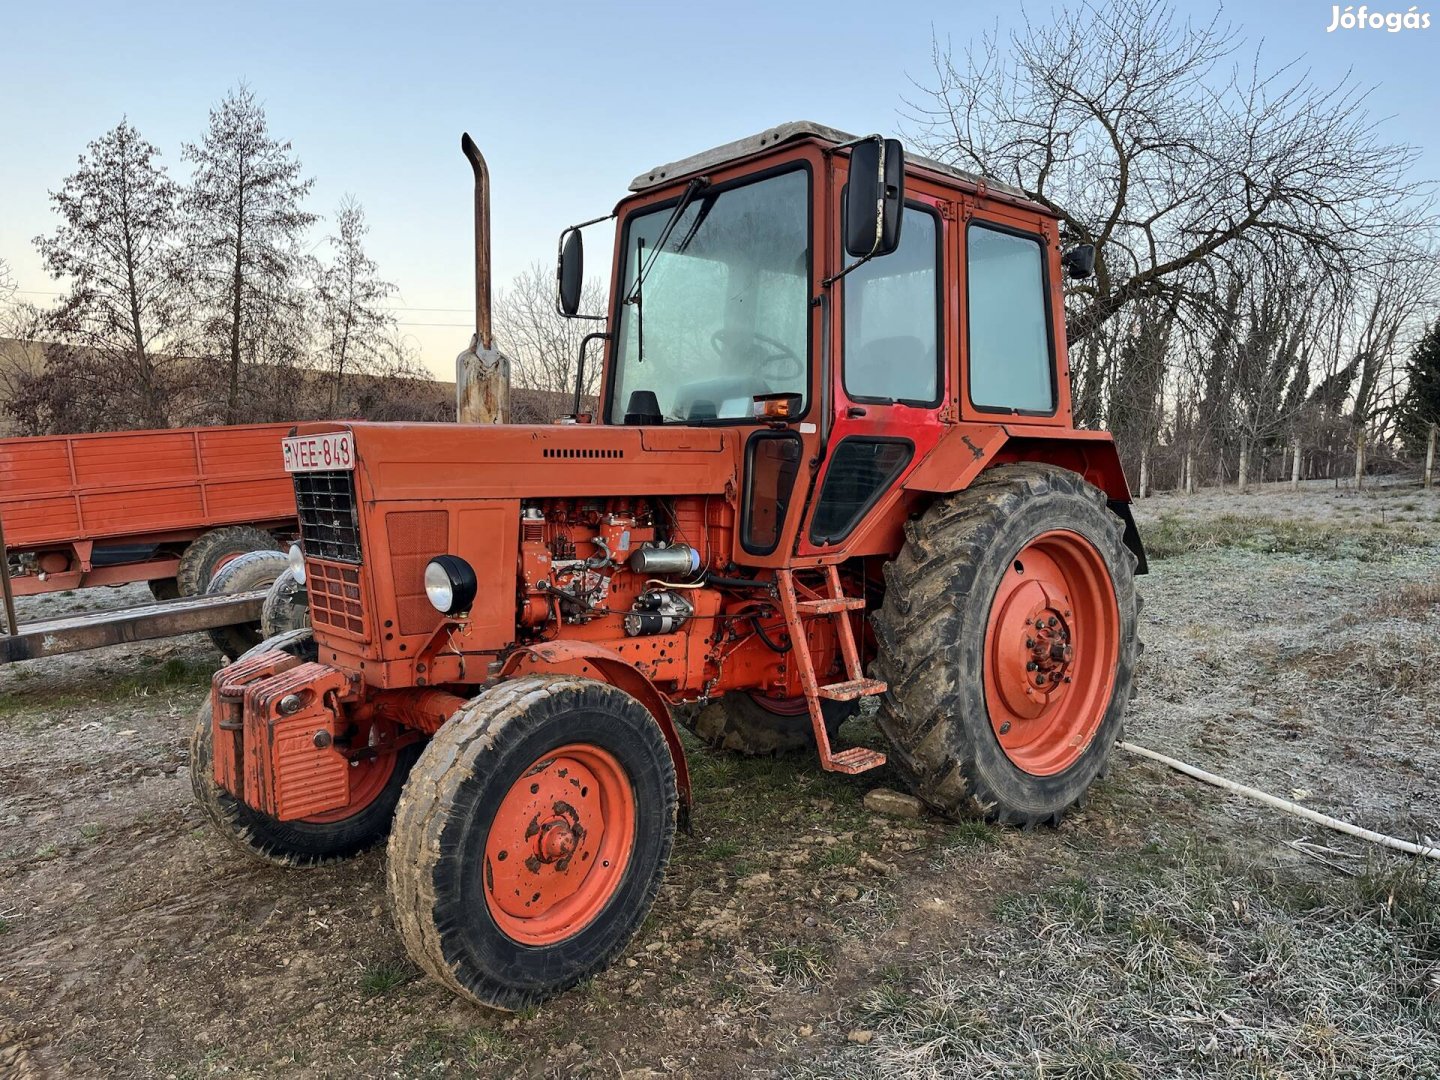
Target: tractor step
[830, 605]
[849, 691]
[856, 759]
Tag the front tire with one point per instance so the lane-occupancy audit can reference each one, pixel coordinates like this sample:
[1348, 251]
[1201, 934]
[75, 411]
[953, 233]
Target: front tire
[1008, 639]
[308, 842]
[532, 838]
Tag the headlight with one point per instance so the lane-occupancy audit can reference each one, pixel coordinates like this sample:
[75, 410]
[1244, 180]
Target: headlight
[297, 563]
[449, 584]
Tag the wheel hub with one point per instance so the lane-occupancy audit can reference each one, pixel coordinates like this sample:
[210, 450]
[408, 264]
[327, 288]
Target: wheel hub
[1051, 646]
[559, 843]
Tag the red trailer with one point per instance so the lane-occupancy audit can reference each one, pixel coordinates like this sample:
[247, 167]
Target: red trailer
[166, 507]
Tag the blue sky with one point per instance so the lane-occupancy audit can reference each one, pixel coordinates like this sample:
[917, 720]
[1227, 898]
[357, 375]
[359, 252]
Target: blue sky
[568, 101]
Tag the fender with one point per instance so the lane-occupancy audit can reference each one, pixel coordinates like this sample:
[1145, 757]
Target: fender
[593, 661]
[967, 450]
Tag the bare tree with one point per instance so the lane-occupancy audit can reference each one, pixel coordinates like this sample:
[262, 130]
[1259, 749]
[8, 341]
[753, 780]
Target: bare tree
[353, 327]
[1131, 124]
[543, 345]
[246, 223]
[118, 330]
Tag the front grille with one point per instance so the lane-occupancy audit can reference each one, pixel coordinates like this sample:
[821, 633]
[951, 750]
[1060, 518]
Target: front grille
[336, 601]
[329, 525]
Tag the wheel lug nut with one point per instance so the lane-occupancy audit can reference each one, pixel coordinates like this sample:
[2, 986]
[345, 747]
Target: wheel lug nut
[1039, 624]
[1005, 728]
[1031, 666]
[1029, 643]
[1052, 621]
[1039, 680]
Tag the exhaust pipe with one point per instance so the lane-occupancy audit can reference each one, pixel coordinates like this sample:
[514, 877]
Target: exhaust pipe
[482, 372]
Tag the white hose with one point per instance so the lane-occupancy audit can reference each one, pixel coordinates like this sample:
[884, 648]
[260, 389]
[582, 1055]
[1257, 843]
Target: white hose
[1284, 804]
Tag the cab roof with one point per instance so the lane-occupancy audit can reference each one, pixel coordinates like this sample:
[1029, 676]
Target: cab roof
[794, 131]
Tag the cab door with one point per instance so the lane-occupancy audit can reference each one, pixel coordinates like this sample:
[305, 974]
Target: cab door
[889, 381]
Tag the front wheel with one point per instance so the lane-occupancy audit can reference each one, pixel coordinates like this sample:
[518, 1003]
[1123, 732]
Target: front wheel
[1008, 639]
[374, 790]
[532, 838]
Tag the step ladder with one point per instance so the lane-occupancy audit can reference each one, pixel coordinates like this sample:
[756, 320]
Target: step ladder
[834, 604]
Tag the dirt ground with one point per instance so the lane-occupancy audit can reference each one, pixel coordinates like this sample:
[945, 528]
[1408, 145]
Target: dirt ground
[1165, 930]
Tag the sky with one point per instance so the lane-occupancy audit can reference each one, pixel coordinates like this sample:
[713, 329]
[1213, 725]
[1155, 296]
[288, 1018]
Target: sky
[568, 102]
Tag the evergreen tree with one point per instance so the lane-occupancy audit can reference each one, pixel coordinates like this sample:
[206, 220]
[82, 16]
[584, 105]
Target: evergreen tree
[1420, 407]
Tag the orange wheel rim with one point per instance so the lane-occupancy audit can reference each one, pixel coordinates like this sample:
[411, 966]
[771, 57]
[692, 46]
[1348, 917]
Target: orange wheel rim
[559, 845]
[368, 778]
[1051, 647]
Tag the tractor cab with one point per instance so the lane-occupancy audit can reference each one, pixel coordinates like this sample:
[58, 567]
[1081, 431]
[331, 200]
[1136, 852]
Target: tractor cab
[847, 303]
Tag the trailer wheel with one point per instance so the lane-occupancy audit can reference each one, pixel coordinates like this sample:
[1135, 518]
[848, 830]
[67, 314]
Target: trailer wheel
[1008, 638]
[287, 606]
[532, 838]
[209, 552]
[755, 725]
[245, 573]
[312, 841]
[164, 588]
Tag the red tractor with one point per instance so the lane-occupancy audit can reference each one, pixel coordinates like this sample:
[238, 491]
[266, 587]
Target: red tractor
[833, 459]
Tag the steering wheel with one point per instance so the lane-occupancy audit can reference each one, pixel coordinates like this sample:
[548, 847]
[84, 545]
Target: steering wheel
[779, 363]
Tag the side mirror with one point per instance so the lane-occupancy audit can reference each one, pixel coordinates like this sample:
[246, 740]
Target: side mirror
[1079, 262]
[874, 197]
[570, 272]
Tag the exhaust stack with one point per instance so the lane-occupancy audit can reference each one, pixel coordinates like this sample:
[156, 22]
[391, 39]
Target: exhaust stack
[482, 372]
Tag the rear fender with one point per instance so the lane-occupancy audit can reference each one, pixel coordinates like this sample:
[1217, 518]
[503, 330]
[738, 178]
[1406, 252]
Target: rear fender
[597, 662]
[967, 450]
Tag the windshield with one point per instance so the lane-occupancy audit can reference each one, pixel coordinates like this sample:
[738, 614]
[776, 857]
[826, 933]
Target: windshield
[721, 312]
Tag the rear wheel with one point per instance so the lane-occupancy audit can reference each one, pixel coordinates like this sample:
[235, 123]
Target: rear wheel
[532, 838]
[375, 786]
[1008, 638]
[208, 553]
[755, 725]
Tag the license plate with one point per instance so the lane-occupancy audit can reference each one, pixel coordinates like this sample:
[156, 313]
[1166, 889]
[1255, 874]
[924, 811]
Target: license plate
[320, 453]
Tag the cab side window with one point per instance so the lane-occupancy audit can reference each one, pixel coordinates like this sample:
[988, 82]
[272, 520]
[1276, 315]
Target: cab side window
[892, 318]
[1008, 326]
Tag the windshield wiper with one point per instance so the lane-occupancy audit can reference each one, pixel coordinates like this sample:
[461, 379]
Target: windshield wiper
[695, 187]
[699, 184]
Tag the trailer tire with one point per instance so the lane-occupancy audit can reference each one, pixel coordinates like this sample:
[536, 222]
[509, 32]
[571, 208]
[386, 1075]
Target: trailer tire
[510, 757]
[976, 726]
[286, 607]
[746, 724]
[209, 552]
[245, 573]
[164, 589]
[291, 843]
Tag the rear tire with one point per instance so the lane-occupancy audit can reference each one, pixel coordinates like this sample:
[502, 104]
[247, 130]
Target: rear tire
[972, 730]
[245, 573]
[757, 726]
[532, 838]
[208, 553]
[293, 843]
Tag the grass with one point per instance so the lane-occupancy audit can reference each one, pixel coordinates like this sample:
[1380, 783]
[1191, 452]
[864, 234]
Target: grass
[384, 976]
[1172, 535]
[176, 673]
[802, 964]
[1199, 966]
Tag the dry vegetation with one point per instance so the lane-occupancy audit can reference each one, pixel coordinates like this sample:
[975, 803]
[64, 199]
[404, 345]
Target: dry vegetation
[1166, 930]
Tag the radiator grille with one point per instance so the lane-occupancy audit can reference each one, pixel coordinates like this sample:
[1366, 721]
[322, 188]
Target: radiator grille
[416, 537]
[336, 602]
[329, 525]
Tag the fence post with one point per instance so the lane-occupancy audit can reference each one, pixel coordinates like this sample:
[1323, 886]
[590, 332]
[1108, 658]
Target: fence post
[1295, 467]
[1430, 458]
